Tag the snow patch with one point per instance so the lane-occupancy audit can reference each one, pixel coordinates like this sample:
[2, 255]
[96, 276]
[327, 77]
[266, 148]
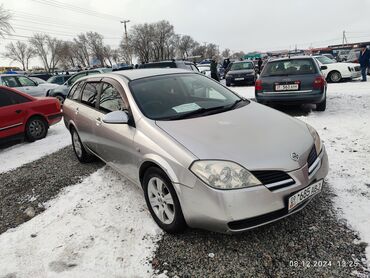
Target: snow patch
[98, 228]
[57, 138]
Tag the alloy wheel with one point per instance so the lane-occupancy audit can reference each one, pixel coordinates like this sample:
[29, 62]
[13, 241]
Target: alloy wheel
[161, 200]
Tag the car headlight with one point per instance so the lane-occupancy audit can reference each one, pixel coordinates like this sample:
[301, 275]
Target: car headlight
[223, 174]
[316, 137]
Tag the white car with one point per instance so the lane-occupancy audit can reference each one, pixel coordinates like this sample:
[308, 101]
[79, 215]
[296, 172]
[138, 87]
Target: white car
[205, 69]
[335, 71]
[25, 84]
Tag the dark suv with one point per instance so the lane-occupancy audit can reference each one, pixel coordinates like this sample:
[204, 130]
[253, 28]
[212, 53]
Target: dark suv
[170, 64]
[294, 80]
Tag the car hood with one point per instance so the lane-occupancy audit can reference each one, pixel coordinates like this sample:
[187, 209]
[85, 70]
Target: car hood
[48, 85]
[254, 136]
[248, 71]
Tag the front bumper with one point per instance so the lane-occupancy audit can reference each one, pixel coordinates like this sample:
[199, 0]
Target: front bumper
[232, 211]
[299, 97]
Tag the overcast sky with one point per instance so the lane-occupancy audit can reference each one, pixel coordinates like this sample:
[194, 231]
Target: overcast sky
[246, 25]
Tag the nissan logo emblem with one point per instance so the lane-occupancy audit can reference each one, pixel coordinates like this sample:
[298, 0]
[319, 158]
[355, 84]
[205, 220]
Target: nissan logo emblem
[294, 156]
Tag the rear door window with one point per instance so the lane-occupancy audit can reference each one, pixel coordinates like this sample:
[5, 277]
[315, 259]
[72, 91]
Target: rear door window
[25, 81]
[90, 93]
[110, 99]
[9, 81]
[10, 98]
[75, 92]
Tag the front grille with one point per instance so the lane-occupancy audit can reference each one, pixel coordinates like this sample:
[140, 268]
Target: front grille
[312, 157]
[273, 180]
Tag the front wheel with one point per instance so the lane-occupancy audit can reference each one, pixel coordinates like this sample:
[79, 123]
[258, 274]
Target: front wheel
[162, 201]
[36, 129]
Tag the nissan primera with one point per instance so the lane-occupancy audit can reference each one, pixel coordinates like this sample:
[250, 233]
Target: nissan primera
[204, 156]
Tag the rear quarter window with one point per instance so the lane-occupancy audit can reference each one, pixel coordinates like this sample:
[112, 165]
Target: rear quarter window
[90, 93]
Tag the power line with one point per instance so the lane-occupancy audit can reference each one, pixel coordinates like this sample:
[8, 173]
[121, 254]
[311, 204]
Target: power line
[77, 9]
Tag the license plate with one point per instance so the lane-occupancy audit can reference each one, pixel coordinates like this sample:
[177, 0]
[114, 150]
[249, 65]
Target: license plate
[239, 78]
[304, 194]
[287, 87]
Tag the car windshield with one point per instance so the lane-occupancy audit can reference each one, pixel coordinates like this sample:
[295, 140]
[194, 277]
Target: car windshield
[325, 60]
[179, 96]
[289, 67]
[242, 66]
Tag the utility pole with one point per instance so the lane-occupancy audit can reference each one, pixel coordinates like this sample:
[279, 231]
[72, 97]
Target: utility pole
[124, 23]
[126, 37]
[344, 38]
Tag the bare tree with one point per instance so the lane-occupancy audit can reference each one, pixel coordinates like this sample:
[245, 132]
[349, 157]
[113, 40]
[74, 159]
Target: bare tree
[163, 32]
[238, 55]
[200, 50]
[38, 41]
[55, 48]
[186, 45]
[81, 51]
[67, 57]
[5, 16]
[212, 50]
[226, 53]
[48, 49]
[142, 41]
[125, 51]
[108, 54]
[96, 46]
[19, 52]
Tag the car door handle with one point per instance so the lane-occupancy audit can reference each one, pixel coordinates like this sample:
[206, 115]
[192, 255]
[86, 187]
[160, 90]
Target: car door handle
[77, 111]
[98, 122]
[18, 111]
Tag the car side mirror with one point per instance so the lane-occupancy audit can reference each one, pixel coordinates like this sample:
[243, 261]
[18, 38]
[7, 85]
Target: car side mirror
[323, 68]
[116, 117]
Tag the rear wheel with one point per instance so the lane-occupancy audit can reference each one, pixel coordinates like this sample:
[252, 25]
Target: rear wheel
[82, 155]
[321, 106]
[36, 129]
[162, 201]
[335, 76]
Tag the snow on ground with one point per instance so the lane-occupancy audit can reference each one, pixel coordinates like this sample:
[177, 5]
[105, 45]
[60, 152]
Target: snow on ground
[57, 138]
[98, 228]
[345, 129]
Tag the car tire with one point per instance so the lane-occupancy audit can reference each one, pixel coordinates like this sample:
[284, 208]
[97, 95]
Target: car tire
[228, 84]
[335, 76]
[321, 106]
[82, 155]
[36, 129]
[162, 201]
[60, 98]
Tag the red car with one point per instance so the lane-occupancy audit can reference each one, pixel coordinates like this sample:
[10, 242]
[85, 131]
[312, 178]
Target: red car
[22, 114]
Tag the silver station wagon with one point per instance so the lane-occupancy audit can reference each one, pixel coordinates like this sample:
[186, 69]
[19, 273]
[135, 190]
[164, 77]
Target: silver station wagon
[204, 157]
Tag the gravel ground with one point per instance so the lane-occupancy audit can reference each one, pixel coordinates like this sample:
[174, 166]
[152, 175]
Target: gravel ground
[27, 187]
[303, 245]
